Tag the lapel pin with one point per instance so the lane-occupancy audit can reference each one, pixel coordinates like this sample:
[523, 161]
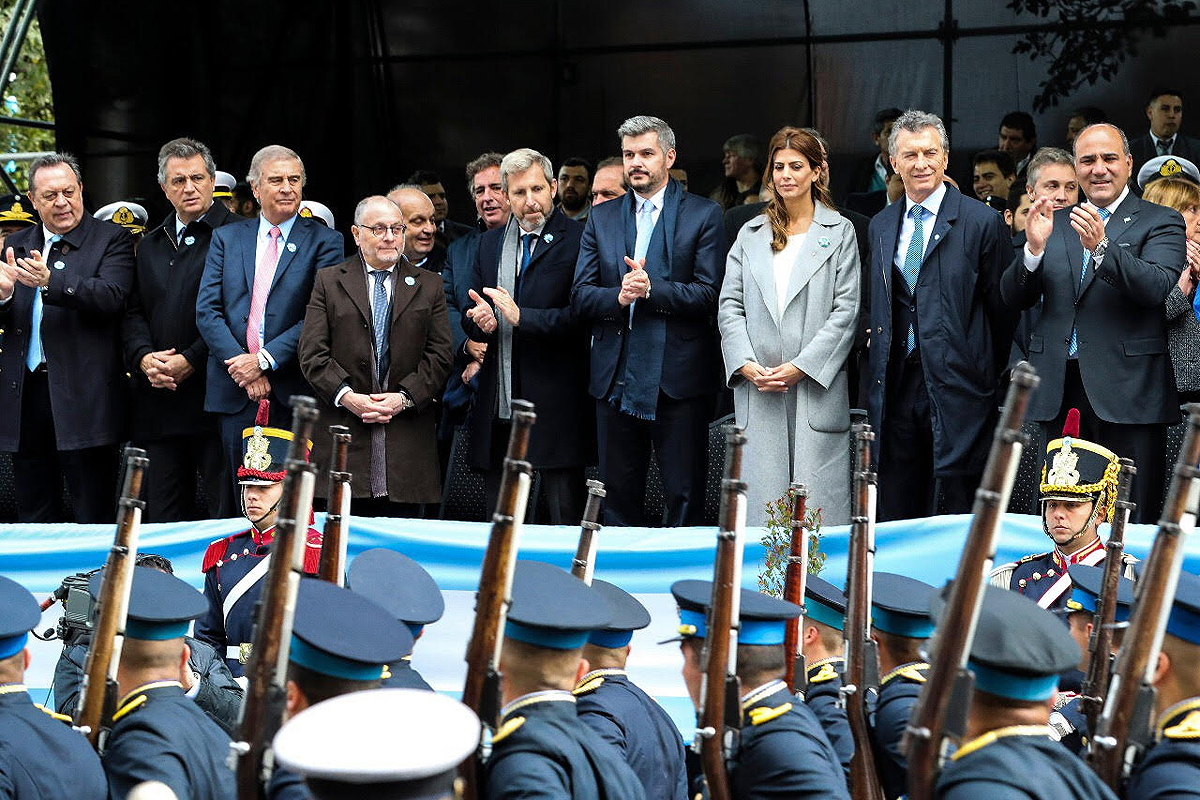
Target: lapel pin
[1128, 220]
[548, 238]
[937, 237]
[410, 280]
[291, 246]
[823, 241]
[190, 240]
[59, 265]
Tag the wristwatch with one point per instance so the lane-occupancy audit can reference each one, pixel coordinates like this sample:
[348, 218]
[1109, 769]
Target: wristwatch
[1100, 249]
[263, 363]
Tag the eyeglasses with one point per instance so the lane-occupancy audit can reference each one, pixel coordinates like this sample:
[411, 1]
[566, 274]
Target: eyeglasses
[378, 231]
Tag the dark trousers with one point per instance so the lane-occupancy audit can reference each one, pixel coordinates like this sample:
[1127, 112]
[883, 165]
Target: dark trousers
[231, 427]
[39, 467]
[908, 485]
[171, 479]
[382, 507]
[1145, 444]
[563, 494]
[680, 438]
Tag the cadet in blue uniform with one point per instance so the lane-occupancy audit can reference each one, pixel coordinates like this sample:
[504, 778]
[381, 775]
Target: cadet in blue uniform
[783, 751]
[1009, 752]
[392, 744]
[821, 642]
[405, 590]
[341, 643]
[159, 733]
[900, 624]
[541, 748]
[41, 757]
[617, 709]
[1171, 767]
[235, 566]
[1078, 492]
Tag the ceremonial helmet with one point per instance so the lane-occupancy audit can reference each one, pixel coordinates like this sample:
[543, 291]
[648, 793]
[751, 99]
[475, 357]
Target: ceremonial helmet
[264, 450]
[1076, 469]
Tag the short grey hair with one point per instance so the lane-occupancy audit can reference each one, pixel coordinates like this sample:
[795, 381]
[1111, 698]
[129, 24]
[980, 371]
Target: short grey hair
[636, 126]
[1121, 133]
[360, 210]
[522, 159]
[401, 186]
[273, 152]
[1044, 157]
[184, 148]
[914, 121]
[53, 160]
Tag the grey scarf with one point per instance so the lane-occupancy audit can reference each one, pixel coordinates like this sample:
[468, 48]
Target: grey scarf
[506, 277]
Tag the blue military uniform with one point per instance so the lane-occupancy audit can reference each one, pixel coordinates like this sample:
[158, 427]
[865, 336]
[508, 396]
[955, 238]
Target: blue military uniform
[41, 757]
[542, 748]
[159, 733]
[1021, 762]
[624, 715]
[401, 675]
[826, 604]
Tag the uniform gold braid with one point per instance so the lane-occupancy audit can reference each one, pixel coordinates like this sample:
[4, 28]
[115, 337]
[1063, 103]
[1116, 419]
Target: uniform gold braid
[1106, 486]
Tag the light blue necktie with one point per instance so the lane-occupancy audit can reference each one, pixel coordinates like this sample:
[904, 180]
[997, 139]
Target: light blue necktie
[645, 229]
[912, 262]
[1073, 348]
[34, 356]
[379, 315]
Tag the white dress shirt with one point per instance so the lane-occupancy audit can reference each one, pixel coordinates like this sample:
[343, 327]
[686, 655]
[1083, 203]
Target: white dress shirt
[932, 205]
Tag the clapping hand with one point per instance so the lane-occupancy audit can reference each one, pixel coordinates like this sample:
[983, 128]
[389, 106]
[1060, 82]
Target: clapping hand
[481, 313]
[1039, 225]
[635, 283]
[1088, 223]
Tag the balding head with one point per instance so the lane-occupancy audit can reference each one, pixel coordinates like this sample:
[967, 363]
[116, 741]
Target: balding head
[378, 231]
[417, 210]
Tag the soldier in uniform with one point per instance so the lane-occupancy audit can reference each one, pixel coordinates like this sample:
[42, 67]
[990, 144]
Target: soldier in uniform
[1171, 767]
[821, 642]
[900, 624]
[235, 566]
[392, 744]
[1078, 492]
[783, 751]
[406, 591]
[542, 749]
[617, 709]
[16, 213]
[1009, 752]
[41, 757]
[159, 733]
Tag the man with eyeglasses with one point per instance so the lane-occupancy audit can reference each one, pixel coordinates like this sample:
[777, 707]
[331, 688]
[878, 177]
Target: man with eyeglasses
[376, 348]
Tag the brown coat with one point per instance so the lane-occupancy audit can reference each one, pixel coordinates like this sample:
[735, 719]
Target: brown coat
[335, 348]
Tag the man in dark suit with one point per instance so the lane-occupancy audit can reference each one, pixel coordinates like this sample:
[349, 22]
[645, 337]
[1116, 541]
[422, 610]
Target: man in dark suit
[870, 174]
[650, 267]
[376, 349]
[63, 286]
[257, 279]
[421, 247]
[447, 229]
[1164, 110]
[1101, 345]
[939, 332]
[536, 349]
[164, 349]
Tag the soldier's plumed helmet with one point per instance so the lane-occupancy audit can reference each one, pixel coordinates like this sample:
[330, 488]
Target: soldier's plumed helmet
[1076, 469]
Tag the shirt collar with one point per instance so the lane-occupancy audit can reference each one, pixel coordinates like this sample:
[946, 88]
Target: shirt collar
[655, 199]
[1167, 140]
[285, 227]
[47, 234]
[536, 231]
[932, 204]
[369, 269]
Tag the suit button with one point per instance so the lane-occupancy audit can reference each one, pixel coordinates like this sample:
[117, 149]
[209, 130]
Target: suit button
[912, 309]
[618, 331]
[70, 290]
[879, 329]
[18, 331]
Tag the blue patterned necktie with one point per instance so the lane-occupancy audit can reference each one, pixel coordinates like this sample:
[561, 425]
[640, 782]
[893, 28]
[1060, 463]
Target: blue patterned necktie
[1073, 348]
[526, 250]
[34, 356]
[379, 315]
[912, 262]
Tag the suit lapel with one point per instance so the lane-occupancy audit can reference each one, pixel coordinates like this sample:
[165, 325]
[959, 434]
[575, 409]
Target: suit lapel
[673, 200]
[888, 236]
[550, 237]
[249, 244]
[629, 220]
[353, 279]
[947, 214]
[297, 240]
[403, 292]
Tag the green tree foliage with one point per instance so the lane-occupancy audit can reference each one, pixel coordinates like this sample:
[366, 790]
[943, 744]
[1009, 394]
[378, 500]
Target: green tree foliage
[777, 544]
[28, 96]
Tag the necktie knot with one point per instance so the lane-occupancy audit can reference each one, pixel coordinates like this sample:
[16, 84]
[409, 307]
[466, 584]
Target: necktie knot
[528, 238]
[647, 208]
[1104, 214]
[54, 237]
[275, 232]
[917, 212]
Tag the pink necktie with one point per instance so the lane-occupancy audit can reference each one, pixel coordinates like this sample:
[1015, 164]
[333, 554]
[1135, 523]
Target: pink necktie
[264, 274]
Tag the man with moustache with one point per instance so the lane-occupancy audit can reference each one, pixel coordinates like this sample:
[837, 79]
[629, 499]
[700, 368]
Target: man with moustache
[574, 182]
[421, 248]
[1097, 346]
[609, 181]
[536, 350]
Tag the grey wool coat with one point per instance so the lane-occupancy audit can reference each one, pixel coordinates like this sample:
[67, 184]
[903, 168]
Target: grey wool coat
[800, 434]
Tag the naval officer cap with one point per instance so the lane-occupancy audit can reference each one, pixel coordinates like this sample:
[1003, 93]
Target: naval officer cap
[1086, 584]
[824, 603]
[223, 184]
[900, 605]
[161, 606]
[129, 215]
[342, 634]
[763, 618]
[628, 615]
[19, 614]
[552, 608]
[400, 585]
[1020, 648]
[15, 209]
[1167, 167]
[318, 211]
[390, 743]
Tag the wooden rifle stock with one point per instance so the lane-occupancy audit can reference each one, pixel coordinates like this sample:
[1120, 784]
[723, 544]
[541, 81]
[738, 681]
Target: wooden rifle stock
[956, 630]
[1124, 727]
[481, 689]
[720, 714]
[266, 669]
[98, 693]
[337, 513]
[584, 563]
[795, 579]
[1095, 683]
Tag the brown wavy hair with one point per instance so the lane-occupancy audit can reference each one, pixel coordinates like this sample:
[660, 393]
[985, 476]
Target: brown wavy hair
[791, 138]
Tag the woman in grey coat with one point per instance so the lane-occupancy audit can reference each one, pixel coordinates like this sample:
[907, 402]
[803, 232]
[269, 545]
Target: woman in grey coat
[787, 315]
[1183, 324]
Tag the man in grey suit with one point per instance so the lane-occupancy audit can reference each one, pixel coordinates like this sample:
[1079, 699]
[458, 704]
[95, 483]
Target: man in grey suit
[1101, 345]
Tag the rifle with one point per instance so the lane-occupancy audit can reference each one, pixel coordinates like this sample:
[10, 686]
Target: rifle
[98, 694]
[720, 715]
[862, 656]
[1095, 684]
[337, 512]
[266, 669]
[927, 727]
[1124, 728]
[481, 690]
[796, 671]
[584, 563]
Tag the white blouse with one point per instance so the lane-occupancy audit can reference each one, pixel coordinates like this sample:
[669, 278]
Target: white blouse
[783, 261]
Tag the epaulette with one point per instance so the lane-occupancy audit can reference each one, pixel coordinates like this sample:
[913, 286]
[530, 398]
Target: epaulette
[760, 715]
[1188, 728]
[588, 686]
[55, 714]
[507, 729]
[827, 672]
[133, 704]
[312, 551]
[216, 552]
[911, 672]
